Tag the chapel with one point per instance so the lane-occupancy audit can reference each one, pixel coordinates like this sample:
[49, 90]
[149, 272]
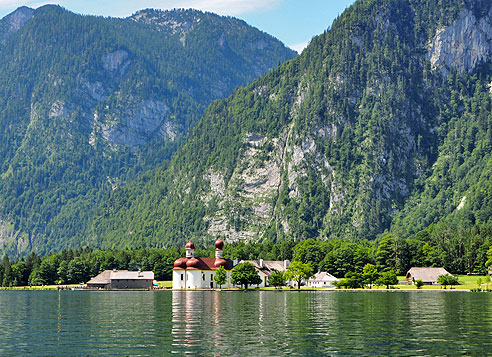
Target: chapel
[191, 272]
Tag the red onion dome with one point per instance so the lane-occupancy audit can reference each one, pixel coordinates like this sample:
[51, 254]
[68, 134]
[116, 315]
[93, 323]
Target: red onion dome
[192, 263]
[220, 262]
[219, 244]
[190, 245]
[180, 263]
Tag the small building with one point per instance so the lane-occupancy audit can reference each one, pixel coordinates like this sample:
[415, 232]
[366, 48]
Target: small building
[198, 273]
[321, 279]
[265, 268]
[490, 270]
[427, 275]
[122, 279]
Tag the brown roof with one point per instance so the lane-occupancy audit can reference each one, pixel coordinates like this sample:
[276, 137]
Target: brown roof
[106, 276]
[132, 275]
[268, 266]
[427, 275]
[207, 264]
[102, 278]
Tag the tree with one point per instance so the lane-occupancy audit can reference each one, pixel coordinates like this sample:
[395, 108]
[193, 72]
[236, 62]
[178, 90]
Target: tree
[220, 276]
[277, 279]
[387, 278]
[419, 283]
[487, 281]
[245, 274]
[354, 280]
[370, 274]
[78, 270]
[386, 253]
[447, 279]
[299, 271]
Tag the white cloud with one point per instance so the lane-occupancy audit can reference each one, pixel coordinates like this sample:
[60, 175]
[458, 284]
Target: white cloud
[299, 47]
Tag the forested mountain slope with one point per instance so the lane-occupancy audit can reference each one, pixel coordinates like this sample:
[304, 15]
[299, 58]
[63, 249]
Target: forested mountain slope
[88, 103]
[384, 122]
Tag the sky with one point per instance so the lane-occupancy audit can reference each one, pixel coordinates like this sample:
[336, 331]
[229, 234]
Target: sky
[294, 22]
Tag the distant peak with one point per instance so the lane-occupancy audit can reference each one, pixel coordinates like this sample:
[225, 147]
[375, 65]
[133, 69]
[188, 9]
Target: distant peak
[22, 12]
[14, 21]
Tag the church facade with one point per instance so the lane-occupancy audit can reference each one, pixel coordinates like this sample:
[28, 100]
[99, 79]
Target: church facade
[191, 272]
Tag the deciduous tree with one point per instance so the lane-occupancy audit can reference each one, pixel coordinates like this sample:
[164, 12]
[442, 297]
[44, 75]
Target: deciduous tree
[245, 274]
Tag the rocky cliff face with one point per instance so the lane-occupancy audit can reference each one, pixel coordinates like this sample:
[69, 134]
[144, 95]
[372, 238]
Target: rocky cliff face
[88, 103]
[334, 143]
[464, 44]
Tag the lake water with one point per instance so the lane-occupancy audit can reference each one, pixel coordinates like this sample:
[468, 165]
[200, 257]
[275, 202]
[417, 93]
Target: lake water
[265, 323]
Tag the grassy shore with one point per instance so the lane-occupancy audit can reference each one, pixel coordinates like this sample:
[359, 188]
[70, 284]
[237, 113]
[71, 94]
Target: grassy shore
[467, 282]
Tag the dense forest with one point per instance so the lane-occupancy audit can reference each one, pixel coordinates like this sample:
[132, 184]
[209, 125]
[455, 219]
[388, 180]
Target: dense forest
[382, 127]
[90, 103]
[372, 128]
[468, 251]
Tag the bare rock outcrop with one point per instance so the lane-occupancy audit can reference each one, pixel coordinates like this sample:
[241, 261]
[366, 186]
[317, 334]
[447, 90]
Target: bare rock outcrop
[463, 45]
[116, 62]
[136, 127]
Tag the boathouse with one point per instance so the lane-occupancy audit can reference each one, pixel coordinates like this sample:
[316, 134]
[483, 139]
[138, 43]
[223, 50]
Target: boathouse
[122, 279]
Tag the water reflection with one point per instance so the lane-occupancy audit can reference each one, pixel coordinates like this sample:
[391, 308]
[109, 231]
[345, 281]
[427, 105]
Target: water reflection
[245, 323]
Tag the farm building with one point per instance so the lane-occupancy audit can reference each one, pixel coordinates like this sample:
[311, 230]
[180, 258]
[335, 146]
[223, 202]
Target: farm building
[427, 275]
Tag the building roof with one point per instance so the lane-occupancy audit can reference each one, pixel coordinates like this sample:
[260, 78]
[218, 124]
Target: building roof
[101, 279]
[268, 266]
[322, 277]
[202, 264]
[106, 276]
[132, 275]
[425, 274]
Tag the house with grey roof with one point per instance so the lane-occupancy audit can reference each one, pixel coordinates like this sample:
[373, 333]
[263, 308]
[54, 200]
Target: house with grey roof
[265, 268]
[429, 276]
[122, 279]
[321, 279]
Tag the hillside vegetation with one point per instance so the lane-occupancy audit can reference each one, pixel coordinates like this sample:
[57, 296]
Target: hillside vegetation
[89, 103]
[384, 123]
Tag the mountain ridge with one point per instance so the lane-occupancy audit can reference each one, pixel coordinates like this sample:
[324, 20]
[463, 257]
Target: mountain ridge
[336, 143]
[88, 103]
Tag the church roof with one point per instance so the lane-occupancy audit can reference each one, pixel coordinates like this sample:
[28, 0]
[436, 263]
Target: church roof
[204, 264]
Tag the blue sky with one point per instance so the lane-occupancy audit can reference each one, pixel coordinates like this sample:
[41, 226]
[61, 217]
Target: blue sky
[294, 22]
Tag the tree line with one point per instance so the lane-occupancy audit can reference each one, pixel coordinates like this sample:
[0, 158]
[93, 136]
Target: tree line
[460, 251]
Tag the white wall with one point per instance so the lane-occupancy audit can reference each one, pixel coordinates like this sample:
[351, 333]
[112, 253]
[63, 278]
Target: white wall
[193, 279]
[177, 282]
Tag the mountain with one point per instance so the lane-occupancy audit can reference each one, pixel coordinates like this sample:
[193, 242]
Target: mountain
[383, 123]
[88, 103]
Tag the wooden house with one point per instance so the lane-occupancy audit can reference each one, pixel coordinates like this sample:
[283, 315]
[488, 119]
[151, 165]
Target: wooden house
[428, 275]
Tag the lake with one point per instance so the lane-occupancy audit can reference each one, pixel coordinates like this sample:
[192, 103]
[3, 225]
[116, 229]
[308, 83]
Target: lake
[245, 323]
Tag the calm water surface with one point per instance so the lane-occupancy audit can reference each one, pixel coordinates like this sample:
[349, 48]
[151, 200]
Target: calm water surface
[265, 323]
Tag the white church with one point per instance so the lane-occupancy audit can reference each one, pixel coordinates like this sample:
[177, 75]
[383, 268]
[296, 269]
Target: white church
[198, 273]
